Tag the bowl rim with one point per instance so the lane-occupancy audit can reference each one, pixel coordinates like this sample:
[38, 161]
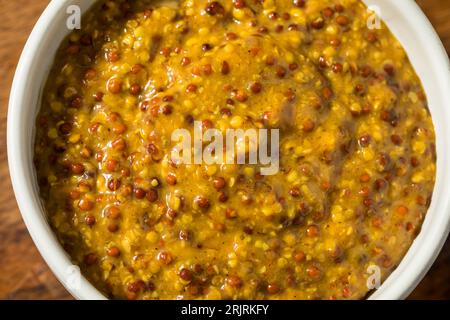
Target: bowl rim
[58, 260]
[44, 239]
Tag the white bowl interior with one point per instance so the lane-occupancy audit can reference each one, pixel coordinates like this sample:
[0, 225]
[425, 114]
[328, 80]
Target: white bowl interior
[430, 60]
[404, 19]
[33, 68]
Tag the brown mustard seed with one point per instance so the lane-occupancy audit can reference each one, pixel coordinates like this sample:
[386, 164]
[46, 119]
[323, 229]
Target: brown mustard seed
[281, 72]
[219, 183]
[184, 235]
[299, 3]
[185, 61]
[294, 192]
[90, 220]
[186, 274]
[191, 88]
[112, 212]
[115, 86]
[308, 125]
[152, 195]
[135, 89]
[171, 179]
[113, 252]
[165, 257]
[85, 205]
[342, 20]
[202, 202]
[256, 87]
[114, 184]
[139, 193]
[273, 288]
[225, 68]
[364, 140]
[318, 24]
[215, 8]
[234, 281]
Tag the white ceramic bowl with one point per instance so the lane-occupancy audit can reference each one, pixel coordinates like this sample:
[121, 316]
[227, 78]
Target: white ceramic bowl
[405, 20]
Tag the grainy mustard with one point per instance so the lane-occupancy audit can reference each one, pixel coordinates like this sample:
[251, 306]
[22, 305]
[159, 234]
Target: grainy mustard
[357, 154]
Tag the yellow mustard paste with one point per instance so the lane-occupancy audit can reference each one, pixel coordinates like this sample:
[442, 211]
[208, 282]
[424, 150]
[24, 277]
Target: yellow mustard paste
[357, 153]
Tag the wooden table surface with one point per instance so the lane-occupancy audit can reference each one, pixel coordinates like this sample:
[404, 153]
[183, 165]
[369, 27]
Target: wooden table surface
[23, 273]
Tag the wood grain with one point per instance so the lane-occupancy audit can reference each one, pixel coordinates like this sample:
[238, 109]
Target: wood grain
[23, 273]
